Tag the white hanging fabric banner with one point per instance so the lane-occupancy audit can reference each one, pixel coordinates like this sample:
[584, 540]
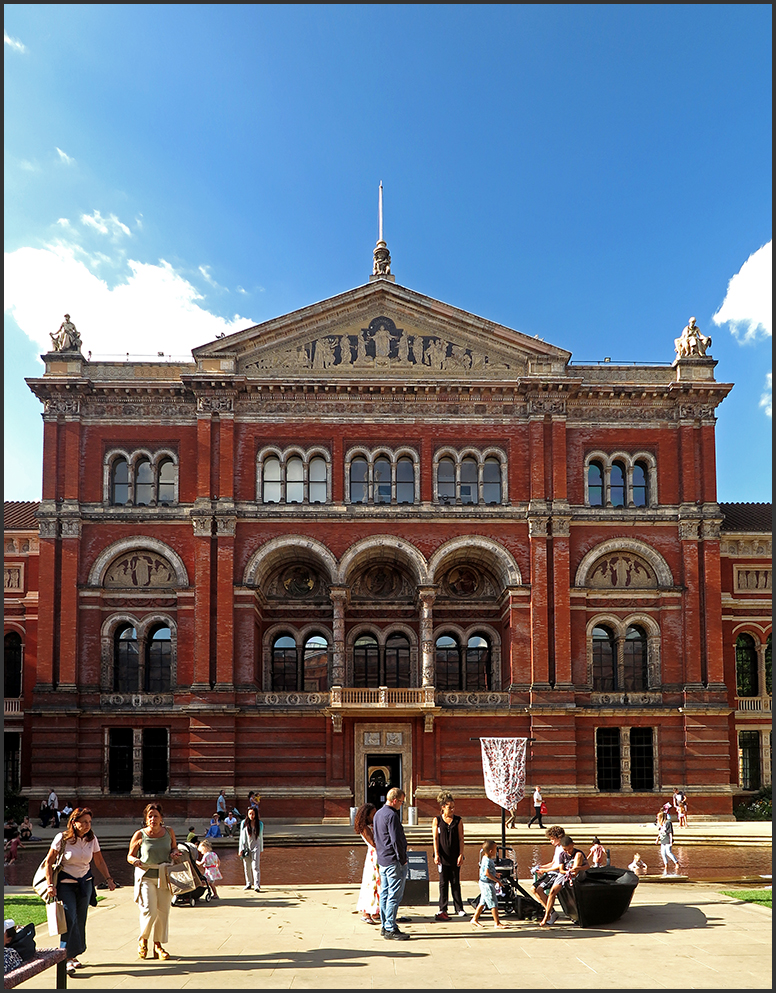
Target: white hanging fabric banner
[503, 766]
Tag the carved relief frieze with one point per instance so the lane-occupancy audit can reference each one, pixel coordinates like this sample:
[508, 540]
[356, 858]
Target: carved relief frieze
[747, 547]
[693, 411]
[487, 701]
[622, 570]
[136, 701]
[625, 410]
[139, 570]
[291, 699]
[131, 408]
[12, 578]
[689, 530]
[748, 579]
[296, 582]
[546, 405]
[384, 346]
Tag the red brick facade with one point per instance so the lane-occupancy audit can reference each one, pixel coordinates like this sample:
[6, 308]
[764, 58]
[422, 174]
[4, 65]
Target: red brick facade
[363, 535]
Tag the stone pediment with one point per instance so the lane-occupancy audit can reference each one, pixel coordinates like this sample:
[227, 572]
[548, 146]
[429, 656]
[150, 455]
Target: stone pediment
[381, 330]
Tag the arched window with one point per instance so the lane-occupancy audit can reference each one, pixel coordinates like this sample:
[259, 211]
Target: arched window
[382, 480]
[491, 481]
[469, 481]
[746, 666]
[13, 666]
[158, 671]
[271, 481]
[446, 481]
[604, 660]
[617, 485]
[366, 662]
[120, 482]
[639, 492]
[397, 661]
[449, 674]
[359, 474]
[294, 480]
[405, 481]
[479, 675]
[284, 663]
[126, 668]
[635, 659]
[144, 483]
[166, 481]
[316, 664]
[595, 485]
[318, 480]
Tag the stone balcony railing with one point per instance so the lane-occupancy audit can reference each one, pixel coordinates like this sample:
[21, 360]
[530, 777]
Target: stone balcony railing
[382, 696]
[757, 704]
[12, 707]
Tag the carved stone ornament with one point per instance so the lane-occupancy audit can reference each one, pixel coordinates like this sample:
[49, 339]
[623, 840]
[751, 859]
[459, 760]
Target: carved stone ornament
[753, 580]
[139, 570]
[215, 404]
[12, 577]
[48, 527]
[71, 527]
[463, 582]
[546, 405]
[226, 527]
[382, 260]
[136, 701]
[689, 530]
[61, 405]
[381, 582]
[622, 570]
[203, 526]
[299, 581]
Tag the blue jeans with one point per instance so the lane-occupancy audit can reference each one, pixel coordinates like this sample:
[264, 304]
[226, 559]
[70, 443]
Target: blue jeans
[392, 880]
[76, 904]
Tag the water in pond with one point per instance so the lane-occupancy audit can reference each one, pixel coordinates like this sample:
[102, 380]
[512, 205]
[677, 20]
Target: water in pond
[342, 864]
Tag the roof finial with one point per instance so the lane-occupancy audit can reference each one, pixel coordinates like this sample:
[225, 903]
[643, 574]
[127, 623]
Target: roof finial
[382, 257]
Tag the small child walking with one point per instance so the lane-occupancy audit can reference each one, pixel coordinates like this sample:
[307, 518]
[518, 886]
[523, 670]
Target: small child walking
[210, 865]
[597, 853]
[488, 880]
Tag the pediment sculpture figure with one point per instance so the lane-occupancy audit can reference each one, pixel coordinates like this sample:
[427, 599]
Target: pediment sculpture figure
[692, 343]
[67, 339]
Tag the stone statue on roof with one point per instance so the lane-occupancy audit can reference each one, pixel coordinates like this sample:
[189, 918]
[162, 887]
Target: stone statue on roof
[67, 339]
[692, 343]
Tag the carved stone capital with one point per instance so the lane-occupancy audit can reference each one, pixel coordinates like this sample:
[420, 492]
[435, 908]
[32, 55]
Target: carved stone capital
[70, 527]
[561, 527]
[225, 527]
[538, 527]
[48, 527]
[689, 530]
[62, 405]
[546, 405]
[711, 530]
[203, 526]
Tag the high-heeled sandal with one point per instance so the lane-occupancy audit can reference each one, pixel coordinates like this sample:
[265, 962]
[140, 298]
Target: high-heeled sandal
[160, 953]
[142, 948]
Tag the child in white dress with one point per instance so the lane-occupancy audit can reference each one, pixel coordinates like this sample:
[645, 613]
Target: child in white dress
[209, 866]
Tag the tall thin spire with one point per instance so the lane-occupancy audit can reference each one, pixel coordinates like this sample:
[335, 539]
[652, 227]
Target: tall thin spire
[381, 269]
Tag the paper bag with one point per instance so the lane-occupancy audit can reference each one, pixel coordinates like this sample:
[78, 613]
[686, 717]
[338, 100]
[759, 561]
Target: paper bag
[57, 921]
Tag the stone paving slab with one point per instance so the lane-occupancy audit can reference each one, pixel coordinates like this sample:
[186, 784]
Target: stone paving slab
[309, 937]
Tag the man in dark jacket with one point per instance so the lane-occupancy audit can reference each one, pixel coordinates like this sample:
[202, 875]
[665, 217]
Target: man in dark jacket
[391, 847]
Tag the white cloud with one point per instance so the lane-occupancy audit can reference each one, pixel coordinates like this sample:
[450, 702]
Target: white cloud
[64, 157]
[63, 222]
[766, 400]
[14, 43]
[156, 309]
[748, 306]
[29, 166]
[205, 270]
[105, 225]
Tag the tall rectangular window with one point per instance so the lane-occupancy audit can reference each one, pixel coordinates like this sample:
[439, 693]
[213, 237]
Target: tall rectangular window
[156, 761]
[642, 759]
[120, 760]
[607, 745]
[749, 756]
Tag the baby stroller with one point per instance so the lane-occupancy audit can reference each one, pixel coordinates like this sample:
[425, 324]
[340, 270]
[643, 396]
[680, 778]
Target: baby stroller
[512, 898]
[202, 889]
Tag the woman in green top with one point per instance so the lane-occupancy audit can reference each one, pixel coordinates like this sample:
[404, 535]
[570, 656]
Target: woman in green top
[153, 845]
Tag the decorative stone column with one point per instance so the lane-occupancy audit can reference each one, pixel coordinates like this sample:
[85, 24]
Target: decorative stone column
[427, 596]
[339, 598]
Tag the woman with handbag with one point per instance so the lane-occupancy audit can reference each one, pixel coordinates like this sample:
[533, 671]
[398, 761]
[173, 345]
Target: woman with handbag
[69, 879]
[151, 849]
[250, 846]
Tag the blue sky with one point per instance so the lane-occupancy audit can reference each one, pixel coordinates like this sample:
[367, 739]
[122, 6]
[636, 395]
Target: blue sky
[592, 174]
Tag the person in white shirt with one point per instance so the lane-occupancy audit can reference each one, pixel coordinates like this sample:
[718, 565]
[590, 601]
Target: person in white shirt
[537, 802]
[230, 822]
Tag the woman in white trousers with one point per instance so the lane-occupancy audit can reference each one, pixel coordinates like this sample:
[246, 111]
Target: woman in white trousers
[251, 845]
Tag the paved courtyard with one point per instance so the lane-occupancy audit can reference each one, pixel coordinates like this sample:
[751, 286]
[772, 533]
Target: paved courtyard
[675, 935]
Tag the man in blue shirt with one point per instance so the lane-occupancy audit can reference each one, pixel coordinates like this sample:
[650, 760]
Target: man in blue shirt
[391, 847]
